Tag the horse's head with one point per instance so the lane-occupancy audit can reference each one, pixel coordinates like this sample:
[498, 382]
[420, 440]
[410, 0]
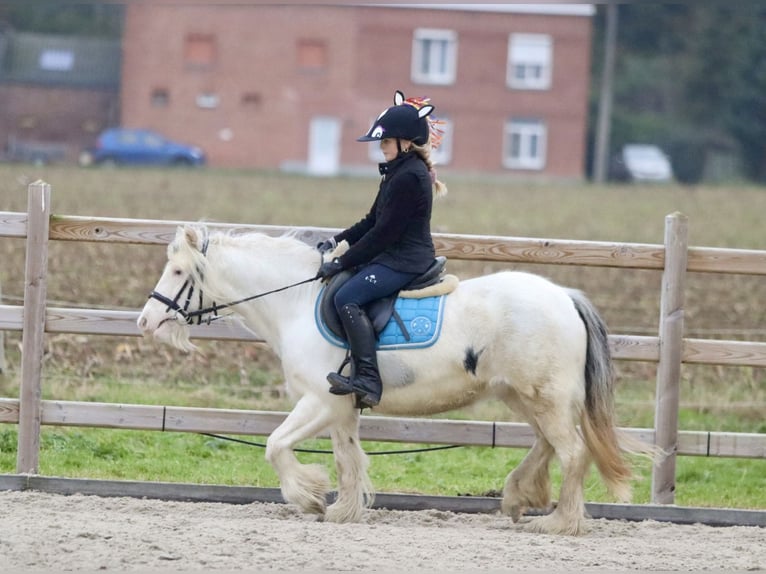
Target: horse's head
[232, 279]
[165, 314]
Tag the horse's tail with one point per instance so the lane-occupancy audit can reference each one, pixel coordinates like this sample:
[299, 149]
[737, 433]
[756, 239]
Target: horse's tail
[605, 443]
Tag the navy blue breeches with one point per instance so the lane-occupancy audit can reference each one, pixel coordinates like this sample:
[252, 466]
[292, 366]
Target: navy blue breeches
[371, 282]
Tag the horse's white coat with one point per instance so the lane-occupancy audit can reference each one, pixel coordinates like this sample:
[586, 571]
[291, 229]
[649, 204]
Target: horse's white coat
[513, 336]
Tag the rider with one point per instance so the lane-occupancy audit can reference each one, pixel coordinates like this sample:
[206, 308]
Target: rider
[392, 244]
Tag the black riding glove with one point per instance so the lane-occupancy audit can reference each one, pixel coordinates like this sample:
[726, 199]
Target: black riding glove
[329, 269]
[327, 245]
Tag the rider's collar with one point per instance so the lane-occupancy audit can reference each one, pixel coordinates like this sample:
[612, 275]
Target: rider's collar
[387, 167]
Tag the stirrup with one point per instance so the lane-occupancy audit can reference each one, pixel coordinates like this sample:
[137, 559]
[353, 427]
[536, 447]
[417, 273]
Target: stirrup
[340, 385]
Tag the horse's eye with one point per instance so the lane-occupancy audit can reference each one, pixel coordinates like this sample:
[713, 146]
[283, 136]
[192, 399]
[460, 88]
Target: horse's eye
[177, 272]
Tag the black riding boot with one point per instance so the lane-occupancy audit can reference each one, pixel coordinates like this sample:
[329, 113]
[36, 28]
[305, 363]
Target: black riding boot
[365, 379]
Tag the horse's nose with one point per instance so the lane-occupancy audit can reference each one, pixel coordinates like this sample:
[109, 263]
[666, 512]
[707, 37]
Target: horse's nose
[142, 323]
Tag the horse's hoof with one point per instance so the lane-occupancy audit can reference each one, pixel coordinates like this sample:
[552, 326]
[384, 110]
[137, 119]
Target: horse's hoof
[343, 514]
[319, 509]
[516, 512]
[553, 524]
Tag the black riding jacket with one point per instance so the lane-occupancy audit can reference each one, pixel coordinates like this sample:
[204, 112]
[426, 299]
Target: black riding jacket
[397, 230]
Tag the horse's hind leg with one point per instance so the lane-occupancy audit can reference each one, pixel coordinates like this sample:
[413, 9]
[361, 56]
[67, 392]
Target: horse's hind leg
[529, 484]
[305, 485]
[355, 490]
[561, 433]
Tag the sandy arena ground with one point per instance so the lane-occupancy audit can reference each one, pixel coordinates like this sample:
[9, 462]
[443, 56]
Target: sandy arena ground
[53, 533]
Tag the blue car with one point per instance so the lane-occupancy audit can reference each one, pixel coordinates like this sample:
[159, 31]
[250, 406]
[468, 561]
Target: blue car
[120, 146]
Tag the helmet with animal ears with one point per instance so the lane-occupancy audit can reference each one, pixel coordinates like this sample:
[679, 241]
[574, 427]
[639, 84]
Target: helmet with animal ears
[406, 119]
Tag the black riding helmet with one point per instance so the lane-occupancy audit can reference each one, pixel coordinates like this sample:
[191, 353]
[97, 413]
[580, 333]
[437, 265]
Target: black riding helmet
[403, 120]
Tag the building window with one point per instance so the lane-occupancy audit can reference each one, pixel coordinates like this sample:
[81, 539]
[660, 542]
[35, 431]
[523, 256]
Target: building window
[434, 56]
[525, 142]
[160, 98]
[530, 59]
[208, 100]
[27, 122]
[200, 50]
[251, 99]
[312, 55]
[56, 60]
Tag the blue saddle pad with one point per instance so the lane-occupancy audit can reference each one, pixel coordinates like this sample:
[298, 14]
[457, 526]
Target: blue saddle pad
[421, 317]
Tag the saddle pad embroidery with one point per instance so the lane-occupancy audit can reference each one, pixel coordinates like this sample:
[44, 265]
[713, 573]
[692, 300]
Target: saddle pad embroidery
[421, 317]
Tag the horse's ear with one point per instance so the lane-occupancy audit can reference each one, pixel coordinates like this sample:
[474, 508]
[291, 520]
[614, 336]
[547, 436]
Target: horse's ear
[398, 98]
[175, 245]
[190, 235]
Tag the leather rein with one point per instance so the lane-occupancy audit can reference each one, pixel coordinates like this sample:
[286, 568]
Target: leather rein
[212, 310]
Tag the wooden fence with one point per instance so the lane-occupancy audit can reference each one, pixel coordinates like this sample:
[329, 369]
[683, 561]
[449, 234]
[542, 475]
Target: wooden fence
[669, 349]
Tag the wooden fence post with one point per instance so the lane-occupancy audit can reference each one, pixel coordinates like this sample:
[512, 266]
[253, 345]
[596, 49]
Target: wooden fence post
[33, 335]
[671, 334]
[2, 338]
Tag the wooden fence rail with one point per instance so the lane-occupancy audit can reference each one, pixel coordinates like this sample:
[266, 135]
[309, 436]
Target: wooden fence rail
[383, 429]
[669, 349]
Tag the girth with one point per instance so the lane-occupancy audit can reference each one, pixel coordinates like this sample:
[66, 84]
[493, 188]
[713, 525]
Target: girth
[379, 311]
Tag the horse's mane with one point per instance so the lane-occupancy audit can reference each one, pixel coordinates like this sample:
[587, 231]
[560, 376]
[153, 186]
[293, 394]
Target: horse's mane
[280, 259]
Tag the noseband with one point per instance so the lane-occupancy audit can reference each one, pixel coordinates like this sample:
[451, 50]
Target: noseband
[188, 316]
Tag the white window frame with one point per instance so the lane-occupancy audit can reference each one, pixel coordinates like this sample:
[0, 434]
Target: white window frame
[525, 143]
[530, 61]
[434, 56]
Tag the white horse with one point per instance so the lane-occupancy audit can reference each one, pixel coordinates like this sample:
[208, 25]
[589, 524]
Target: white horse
[540, 348]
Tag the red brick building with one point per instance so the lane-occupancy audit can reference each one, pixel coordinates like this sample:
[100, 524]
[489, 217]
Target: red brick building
[291, 87]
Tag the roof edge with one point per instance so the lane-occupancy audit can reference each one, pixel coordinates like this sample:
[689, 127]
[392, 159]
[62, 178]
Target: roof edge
[541, 8]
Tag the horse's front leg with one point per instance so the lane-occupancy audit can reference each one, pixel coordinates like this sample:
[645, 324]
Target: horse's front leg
[355, 491]
[305, 485]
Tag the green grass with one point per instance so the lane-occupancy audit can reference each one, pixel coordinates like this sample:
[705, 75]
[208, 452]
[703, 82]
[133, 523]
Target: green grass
[246, 376]
[200, 459]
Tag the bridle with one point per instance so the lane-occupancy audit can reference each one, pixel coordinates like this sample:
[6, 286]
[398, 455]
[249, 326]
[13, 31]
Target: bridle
[188, 316]
[211, 311]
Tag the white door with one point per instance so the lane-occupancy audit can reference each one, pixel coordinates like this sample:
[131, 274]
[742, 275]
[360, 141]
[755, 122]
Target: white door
[324, 146]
